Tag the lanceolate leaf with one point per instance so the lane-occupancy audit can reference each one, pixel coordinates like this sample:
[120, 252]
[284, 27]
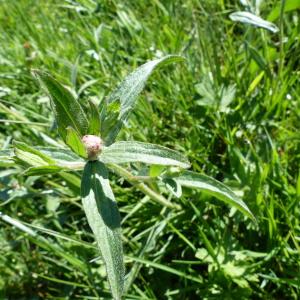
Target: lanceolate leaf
[44, 157]
[74, 141]
[31, 156]
[214, 188]
[110, 123]
[103, 216]
[125, 96]
[60, 154]
[67, 109]
[64, 158]
[126, 152]
[249, 18]
[46, 160]
[42, 170]
[94, 119]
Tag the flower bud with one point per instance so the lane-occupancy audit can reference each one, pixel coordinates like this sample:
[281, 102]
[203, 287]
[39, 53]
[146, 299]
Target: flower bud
[93, 145]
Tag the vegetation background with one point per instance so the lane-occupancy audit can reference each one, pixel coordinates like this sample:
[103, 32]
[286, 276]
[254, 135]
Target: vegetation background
[233, 108]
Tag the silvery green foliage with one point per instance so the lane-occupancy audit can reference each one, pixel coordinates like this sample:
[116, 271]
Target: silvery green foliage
[212, 187]
[68, 112]
[103, 216]
[97, 196]
[127, 152]
[254, 20]
[122, 100]
[253, 6]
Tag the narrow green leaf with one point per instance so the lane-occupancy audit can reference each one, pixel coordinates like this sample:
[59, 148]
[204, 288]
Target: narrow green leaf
[126, 152]
[103, 216]
[47, 156]
[255, 83]
[251, 19]
[60, 154]
[259, 59]
[31, 156]
[73, 140]
[42, 170]
[94, 119]
[63, 157]
[214, 188]
[150, 263]
[122, 101]
[109, 118]
[209, 247]
[67, 109]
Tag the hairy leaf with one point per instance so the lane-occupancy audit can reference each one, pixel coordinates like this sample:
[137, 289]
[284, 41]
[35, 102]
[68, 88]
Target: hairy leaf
[73, 140]
[67, 109]
[249, 18]
[123, 99]
[47, 156]
[94, 119]
[42, 170]
[60, 155]
[214, 188]
[64, 158]
[103, 216]
[31, 156]
[126, 152]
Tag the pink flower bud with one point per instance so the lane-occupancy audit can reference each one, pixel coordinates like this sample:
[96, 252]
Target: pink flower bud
[93, 145]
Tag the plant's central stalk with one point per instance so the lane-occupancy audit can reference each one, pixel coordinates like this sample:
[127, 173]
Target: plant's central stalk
[93, 145]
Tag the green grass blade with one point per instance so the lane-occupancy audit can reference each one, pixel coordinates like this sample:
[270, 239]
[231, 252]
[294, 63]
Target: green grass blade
[103, 216]
[126, 152]
[214, 188]
[290, 5]
[124, 98]
[165, 268]
[44, 243]
[67, 109]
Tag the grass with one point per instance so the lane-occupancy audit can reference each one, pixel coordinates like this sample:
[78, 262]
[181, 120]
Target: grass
[206, 250]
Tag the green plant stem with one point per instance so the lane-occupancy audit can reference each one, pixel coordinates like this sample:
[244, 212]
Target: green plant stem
[143, 187]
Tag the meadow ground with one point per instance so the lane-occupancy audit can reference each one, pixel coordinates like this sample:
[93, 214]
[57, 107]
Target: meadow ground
[232, 107]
